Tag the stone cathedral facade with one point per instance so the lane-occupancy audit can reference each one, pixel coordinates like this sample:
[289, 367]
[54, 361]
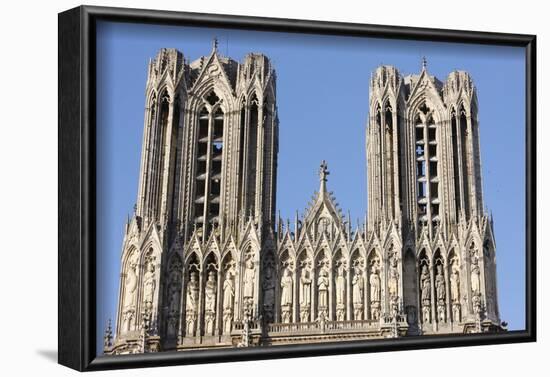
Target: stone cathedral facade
[206, 263]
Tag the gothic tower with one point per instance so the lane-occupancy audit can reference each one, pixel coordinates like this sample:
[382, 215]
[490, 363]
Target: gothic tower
[207, 179]
[424, 179]
[205, 264]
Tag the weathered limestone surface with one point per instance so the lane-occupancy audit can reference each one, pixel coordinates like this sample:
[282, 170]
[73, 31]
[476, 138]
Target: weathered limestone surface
[206, 263]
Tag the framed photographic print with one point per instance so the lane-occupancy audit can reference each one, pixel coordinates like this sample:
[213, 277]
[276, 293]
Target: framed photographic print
[237, 188]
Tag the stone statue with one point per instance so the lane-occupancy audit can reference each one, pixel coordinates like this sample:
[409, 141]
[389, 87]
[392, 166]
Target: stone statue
[228, 300]
[456, 313]
[305, 288]
[130, 284]
[455, 283]
[393, 282]
[440, 283]
[374, 281]
[268, 287]
[322, 287]
[174, 298]
[149, 285]
[192, 302]
[340, 286]
[426, 314]
[425, 284]
[172, 325]
[248, 279]
[358, 284]
[228, 291]
[475, 277]
[210, 293]
[286, 288]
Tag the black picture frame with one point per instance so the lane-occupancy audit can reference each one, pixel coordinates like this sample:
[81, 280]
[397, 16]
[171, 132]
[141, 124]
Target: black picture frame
[77, 198]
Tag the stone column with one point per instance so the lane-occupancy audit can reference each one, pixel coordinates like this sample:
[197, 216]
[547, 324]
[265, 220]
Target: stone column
[349, 304]
[200, 311]
[331, 304]
[448, 300]
[219, 302]
[433, 296]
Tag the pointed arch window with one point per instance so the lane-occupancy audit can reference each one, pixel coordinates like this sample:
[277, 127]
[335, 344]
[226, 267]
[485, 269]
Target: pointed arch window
[427, 169]
[464, 138]
[248, 149]
[209, 158]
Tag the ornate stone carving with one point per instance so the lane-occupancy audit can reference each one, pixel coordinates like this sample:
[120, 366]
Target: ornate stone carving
[357, 293]
[225, 209]
[322, 289]
[475, 280]
[393, 280]
[305, 294]
[174, 292]
[249, 279]
[340, 286]
[455, 282]
[210, 290]
[375, 310]
[228, 300]
[374, 281]
[425, 288]
[192, 303]
[149, 286]
[130, 293]
[286, 296]
[440, 293]
[268, 287]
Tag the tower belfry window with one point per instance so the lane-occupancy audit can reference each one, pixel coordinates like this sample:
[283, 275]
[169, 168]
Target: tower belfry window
[426, 151]
[209, 161]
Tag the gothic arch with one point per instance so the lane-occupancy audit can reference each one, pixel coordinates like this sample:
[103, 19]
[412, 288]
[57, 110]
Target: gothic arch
[211, 256]
[173, 288]
[410, 288]
[219, 85]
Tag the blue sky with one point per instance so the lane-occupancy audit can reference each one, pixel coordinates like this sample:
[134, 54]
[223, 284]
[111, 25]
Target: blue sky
[322, 97]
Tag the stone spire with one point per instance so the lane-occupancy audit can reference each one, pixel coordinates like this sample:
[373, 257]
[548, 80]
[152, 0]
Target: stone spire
[215, 45]
[108, 337]
[323, 172]
[424, 63]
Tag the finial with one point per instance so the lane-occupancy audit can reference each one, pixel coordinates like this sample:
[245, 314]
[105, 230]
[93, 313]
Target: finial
[215, 44]
[323, 172]
[108, 337]
[424, 63]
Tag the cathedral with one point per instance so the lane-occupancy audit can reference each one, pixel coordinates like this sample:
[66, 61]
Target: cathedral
[206, 263]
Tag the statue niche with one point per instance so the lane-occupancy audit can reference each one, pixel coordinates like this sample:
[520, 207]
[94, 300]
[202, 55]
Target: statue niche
[358, 284]
[440, 291]
[192, 302]
[340, 285]
[393, 279]
[268, 287]
[149, 284]
[455, 289]
[322, 288]
[286, 287]
[475, 280]
[374, 286]
[130, 292]
[425, 289]
[249, 280]
[305, 287]
[228, 295]
[210, 290]
[173, 296]
[286, 296]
